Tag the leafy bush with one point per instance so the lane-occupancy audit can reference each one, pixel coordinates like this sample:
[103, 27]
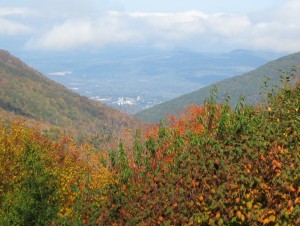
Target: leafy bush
[44, 182]
[215, 165]
[28, 188]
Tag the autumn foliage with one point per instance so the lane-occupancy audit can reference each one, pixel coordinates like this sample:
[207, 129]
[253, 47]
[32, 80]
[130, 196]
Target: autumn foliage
[212, 165]
[215, 165]
[44, 182]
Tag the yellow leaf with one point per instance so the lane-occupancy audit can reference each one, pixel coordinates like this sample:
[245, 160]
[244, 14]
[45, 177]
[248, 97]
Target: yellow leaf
[249, 205]
[271, 212]
[243, 217]
[220, 222]
[272, 218]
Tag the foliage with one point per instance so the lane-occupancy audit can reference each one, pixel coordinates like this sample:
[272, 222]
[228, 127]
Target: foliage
[215, 165]
[28, 93]
[43, 182]
[212, 165]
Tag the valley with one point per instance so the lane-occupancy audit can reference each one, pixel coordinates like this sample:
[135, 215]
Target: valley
[132, 81]
[66, 158]
[150, 113]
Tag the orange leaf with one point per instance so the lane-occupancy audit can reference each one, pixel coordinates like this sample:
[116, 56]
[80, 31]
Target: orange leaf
[201, 198]
[291, 188]
[160, 219]
[239, 214]
[266, 221]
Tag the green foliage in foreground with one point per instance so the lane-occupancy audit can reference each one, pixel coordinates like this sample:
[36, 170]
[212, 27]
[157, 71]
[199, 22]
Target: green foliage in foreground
[241, 167]
[214, 165]
[47, 183]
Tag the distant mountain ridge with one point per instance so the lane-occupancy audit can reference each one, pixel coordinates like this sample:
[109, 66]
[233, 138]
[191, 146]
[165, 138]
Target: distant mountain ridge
[26, 92]
[248, 84]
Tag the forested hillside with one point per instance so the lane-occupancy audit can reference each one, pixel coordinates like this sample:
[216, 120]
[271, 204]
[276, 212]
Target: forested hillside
[27, 93]
[213, 165]
[248, 84]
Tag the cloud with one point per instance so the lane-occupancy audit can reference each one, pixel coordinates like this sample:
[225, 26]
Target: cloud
[84, 33]
[228, 25]
[14, 11]
[274, 29]
[278, 31]
[158, 29]
[173, 27]
[13, 27]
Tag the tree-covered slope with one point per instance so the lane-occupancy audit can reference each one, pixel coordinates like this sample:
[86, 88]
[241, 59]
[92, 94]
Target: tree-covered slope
[26, 92]
[213, 165]
[248, 84]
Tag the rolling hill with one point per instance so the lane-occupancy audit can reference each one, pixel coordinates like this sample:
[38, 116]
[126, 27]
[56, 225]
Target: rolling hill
[26, 92]
[248, 84]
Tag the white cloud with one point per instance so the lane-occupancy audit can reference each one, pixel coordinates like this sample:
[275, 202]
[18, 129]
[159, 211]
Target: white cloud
[12, 26]
[83, 33]
[8, 27]
[276, 29]
[153, 28]
[225, 25]
[288, 12]
[14, 11]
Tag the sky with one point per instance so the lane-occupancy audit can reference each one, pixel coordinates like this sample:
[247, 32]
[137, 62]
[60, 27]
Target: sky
[201, 25]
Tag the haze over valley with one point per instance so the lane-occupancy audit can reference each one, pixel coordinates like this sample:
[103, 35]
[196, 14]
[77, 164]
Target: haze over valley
[133, 80]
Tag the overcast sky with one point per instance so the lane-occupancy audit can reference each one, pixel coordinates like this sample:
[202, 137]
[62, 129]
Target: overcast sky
[203, 25]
